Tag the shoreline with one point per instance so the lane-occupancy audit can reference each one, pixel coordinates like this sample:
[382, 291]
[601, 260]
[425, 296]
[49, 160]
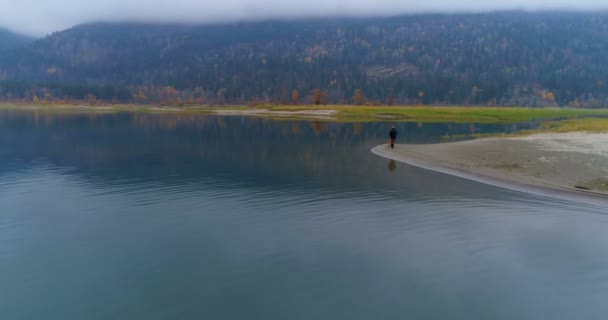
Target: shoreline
[342, 113]
[570, 166]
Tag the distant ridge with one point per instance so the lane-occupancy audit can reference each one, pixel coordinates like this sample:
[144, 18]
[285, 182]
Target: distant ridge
[505, 58]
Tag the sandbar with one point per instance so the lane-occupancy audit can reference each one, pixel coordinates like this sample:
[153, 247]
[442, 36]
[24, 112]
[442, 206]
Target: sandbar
[572, 164]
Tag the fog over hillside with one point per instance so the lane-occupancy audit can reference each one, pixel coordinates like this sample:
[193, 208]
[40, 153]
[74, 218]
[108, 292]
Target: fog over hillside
[36, 17]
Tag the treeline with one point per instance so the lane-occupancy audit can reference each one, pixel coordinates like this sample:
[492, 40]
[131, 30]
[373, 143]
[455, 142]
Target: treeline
[509, 58]
[19, 91]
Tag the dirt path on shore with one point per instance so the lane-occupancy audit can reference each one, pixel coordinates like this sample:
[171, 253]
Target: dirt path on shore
[576, 163]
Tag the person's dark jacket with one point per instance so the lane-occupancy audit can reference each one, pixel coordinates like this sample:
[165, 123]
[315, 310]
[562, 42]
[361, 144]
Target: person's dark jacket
[393, 134]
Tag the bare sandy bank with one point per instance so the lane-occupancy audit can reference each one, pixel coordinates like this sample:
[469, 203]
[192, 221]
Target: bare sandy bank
[316, 114]
[572, 163]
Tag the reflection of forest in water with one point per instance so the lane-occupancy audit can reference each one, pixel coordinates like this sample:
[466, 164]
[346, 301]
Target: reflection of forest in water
[186, 146]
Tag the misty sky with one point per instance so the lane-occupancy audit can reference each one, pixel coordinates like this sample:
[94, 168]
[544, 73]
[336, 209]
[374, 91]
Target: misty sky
[39, 17]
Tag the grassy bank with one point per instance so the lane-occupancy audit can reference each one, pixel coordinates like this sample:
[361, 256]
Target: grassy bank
[349, 113]
[445, 114]
[589, 125]
[576, 125]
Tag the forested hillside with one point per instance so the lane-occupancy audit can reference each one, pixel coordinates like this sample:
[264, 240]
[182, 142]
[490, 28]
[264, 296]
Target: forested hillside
[10, 39]
[509, 58]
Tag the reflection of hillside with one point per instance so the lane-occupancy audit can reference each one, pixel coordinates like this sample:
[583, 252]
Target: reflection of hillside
[193, 145]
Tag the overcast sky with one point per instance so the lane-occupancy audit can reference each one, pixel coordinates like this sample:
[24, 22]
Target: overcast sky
[40, 17]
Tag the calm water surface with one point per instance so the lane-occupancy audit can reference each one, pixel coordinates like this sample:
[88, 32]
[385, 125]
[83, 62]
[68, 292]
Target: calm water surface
[144, 216]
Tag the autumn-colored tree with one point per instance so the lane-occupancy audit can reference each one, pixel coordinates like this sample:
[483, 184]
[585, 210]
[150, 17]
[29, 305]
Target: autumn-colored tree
[221, 96]
[474, 92]
[295, 96]
[168, 94]
[317, 94]
[36, 99]
[254, 101]
[358, 97]
[91, 99]
[549, 96]
[575, 104]
[139, 94]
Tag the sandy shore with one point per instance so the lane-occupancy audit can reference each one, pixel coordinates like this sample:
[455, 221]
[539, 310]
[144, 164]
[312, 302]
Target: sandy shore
[310, 114]
[571, 163]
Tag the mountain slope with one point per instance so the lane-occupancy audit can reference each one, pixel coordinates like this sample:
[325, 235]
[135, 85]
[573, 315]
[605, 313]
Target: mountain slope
[10, 39]
[512, 58]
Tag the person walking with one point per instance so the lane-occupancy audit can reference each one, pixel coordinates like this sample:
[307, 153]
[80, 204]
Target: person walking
[393, 135]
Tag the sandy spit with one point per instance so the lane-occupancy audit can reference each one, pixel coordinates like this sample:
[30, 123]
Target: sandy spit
[571, 164]
[320, 114]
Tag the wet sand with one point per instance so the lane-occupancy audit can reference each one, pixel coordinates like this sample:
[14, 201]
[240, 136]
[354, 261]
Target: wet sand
[574, 164]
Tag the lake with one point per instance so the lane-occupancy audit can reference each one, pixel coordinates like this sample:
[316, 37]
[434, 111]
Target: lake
[182, 216]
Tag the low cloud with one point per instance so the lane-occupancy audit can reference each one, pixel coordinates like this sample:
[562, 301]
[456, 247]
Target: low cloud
[35, 17]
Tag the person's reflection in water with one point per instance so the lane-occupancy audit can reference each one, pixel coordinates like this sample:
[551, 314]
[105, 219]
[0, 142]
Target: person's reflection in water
[392, 166]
